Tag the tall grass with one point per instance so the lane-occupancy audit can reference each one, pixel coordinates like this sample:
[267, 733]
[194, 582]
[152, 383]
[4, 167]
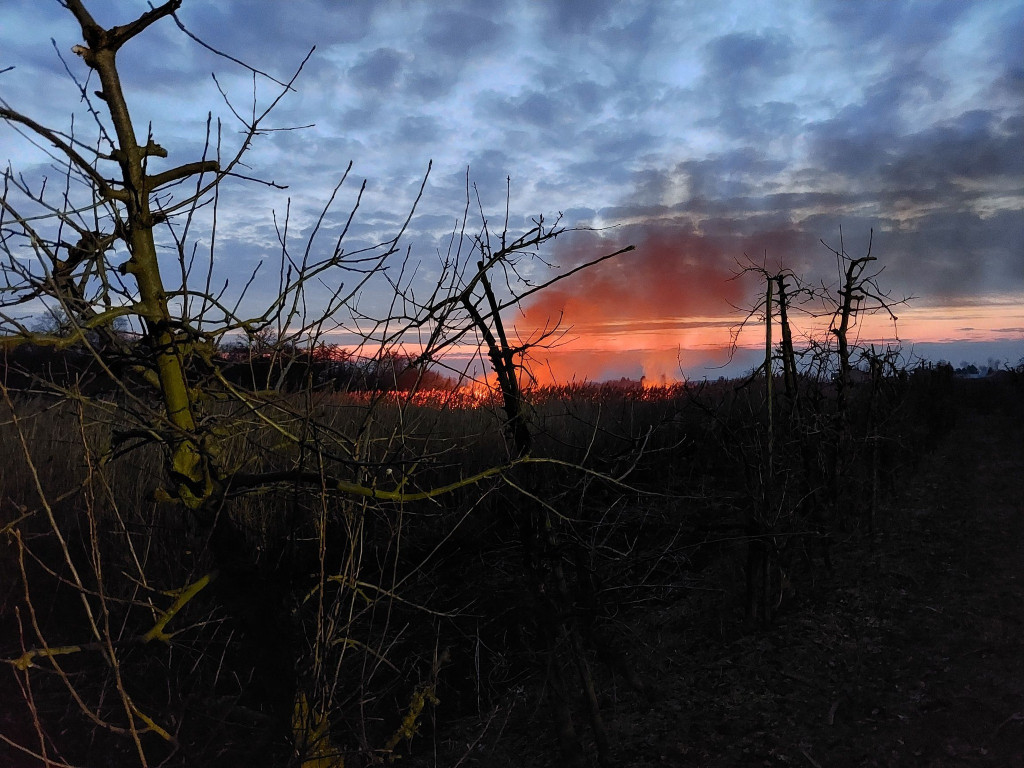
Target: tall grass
[350, 613]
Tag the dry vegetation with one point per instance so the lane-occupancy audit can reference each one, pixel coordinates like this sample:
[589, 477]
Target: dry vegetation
[413, 617]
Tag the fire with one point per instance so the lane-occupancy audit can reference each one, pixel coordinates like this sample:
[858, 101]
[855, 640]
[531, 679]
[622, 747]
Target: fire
[455, 398]
[478, 393]
[475, 395]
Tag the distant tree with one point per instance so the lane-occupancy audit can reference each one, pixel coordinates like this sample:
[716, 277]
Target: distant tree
[807, 437]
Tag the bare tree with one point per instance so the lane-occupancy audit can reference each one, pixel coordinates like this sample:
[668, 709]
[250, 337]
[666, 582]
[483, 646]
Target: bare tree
[241, 550]
[809, 446]
[858, 295]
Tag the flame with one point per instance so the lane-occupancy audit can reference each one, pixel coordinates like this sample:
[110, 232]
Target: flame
[474, 395]
[456, 398]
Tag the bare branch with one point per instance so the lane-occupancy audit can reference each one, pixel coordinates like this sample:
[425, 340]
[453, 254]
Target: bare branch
[289, 85]
[69, 151]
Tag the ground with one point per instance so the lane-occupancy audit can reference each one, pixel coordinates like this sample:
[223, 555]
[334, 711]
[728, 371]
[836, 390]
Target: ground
[909, 652]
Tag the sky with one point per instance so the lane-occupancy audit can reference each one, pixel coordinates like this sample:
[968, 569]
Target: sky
[709, 135]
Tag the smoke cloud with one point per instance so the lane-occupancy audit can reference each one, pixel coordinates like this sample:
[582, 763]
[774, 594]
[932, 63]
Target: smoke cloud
[665, 308]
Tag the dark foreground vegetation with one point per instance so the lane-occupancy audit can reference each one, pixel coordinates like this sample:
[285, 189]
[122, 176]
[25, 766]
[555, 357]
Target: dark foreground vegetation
[671, 617]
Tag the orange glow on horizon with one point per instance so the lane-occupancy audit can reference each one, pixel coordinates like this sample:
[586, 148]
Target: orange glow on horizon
[664, 350]
[667, 349]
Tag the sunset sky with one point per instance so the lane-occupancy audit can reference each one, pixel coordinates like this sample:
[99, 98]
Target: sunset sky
[703, 133]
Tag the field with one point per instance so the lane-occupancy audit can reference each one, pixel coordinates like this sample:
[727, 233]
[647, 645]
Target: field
[668, 578]
[908, 652]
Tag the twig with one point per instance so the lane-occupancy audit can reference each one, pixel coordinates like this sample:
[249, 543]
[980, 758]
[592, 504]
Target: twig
[810, 759]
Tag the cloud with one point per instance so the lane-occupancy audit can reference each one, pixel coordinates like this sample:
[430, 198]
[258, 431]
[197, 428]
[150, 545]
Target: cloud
[530, 108]
[955, 156]
[904, 27]
[728, 129]
[378, 69]
[458, 35]
[740, 61]
[578, 16]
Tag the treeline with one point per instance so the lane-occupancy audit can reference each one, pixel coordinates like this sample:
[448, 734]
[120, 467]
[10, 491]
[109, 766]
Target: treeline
[281, 367]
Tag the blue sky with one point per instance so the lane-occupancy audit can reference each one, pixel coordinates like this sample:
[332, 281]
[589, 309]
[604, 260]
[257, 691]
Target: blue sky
[700, 131]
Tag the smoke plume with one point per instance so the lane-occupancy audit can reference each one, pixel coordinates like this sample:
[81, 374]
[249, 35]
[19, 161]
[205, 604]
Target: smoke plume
[666, 305]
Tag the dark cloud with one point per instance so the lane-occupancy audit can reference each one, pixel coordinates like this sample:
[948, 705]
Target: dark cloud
[652, 187]
[1004, 38]
[355, 118]
[378, 69]
[761, 122]
[1011, 83]
[275, 31]
[888, 103]
[977, 146]
[531, 108]
[577, 16]
[741, 60]
[458, 35]
[952, 254]
[586, 96]
[425, 86]
[488, 170]
[728, 175]
[837, 146]
[418, 130]
[940, 200]
[864, 135]
[908, 27]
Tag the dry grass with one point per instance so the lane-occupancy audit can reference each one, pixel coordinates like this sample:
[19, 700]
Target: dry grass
[346, 604]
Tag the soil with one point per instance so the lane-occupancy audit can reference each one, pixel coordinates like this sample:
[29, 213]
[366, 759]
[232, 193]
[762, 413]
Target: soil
[908, 652]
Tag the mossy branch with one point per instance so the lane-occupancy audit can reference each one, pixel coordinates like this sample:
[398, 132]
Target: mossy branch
[27, 659]
[251, 483]
[184, 595]
[424, 694]
[312, 737]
